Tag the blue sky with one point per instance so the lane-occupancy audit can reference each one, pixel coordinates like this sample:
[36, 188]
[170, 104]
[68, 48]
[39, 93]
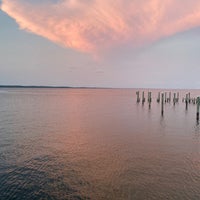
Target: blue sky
[30, 59]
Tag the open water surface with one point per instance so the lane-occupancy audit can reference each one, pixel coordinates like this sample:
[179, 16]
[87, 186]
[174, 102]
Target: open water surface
[96, 144]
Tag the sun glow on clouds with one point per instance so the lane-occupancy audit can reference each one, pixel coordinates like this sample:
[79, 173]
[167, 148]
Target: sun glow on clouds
[98, 25]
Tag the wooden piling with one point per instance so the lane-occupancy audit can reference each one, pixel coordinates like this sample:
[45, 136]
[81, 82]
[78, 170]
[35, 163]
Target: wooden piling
[162, 104]
[177, 99]
[198, 106]
[138, 96]
[158, 99]
[149, 99]
[186, 102]
[189, 100]
[165, 97]
[169, 97]
[174, 99]
[143, 98]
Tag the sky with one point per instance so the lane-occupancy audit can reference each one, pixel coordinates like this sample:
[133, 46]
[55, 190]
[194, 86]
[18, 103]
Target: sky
[100, 43]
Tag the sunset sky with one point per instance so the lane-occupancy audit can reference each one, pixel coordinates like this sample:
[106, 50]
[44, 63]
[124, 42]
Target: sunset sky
[100, 43]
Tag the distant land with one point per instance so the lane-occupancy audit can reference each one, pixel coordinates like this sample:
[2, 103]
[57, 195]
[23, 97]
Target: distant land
[43, 86]
[31, 86]
[90, 87]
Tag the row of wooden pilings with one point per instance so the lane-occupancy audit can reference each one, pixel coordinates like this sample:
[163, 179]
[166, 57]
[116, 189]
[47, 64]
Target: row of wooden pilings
[166, 98]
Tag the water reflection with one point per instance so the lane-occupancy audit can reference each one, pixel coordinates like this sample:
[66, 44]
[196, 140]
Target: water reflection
[197, 128]
[162, 122]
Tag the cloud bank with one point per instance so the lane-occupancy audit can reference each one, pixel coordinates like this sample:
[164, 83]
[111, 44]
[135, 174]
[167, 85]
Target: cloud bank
[99, 25]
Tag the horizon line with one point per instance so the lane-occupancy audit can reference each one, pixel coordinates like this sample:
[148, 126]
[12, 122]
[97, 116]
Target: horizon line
[90, 87]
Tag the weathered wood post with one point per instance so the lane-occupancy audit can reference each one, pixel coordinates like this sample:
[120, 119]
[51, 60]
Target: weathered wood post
[162, 104]
[165, 97]
[189, 100]
[174, 99]
[169, 97]
[177, 100]
[143, 98]
[198, 105]
[138, 96]
[149, 99]
[158, 99]
[186, 102]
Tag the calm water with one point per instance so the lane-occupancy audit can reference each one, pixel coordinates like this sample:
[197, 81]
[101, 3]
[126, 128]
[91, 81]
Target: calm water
[96, 144]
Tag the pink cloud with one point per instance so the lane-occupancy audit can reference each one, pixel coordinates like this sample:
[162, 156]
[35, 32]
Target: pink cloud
[98, 25]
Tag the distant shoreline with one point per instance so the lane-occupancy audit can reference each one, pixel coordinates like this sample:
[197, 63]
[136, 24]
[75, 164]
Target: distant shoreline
[29, 86]
[87, 87]
[61, 87]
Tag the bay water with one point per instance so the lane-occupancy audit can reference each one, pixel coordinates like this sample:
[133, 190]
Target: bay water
[97, 144]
